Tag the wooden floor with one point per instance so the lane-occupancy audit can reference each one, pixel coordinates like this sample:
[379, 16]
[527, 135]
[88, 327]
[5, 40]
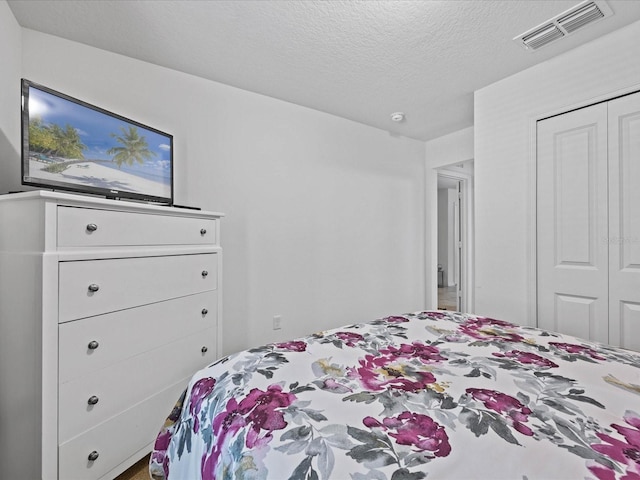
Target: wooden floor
[447, 298]
[139, 471]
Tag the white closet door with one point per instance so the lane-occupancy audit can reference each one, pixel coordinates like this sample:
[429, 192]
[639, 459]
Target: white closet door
[572, 223]
[624, 221]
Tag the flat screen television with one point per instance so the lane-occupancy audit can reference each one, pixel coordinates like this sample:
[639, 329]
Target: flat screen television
[68, 144]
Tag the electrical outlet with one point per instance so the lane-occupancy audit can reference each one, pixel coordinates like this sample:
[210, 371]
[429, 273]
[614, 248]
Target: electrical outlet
[277, 322]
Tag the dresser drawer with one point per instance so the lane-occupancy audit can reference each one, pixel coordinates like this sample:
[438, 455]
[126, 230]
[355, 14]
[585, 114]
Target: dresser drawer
[127, 333]
[89, 227]
[118, 438]
[121, 385]
[94, 287]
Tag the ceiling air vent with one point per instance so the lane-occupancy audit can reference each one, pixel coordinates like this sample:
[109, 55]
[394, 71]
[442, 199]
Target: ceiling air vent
[564, 24]
[542, 36]
[581, 17]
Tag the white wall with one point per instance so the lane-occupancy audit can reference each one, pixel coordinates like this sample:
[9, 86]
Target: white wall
[325, 217]
[10, 64]
[505, 115]
[447, 150]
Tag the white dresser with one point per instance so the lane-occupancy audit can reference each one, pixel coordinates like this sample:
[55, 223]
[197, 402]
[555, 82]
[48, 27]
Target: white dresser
[106, 309]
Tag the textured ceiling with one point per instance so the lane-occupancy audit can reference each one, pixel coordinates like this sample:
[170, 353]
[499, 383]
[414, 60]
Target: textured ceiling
[360, 60]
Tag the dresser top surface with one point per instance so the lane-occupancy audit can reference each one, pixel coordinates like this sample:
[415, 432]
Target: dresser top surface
[77, 200]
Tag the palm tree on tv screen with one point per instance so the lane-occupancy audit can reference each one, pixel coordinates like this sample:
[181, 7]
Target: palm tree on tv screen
[70, 145]
[134, 147]
[54, 140]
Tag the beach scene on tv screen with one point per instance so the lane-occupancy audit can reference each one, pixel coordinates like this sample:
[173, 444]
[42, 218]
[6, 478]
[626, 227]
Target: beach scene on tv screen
[75, 145]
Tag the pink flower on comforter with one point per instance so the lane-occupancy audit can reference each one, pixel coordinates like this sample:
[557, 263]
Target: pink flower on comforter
[577, 349]
[201, 389]
[159, 454]
[377, 373]
[350, 338]
[293, 346]
[426, 353]
[626, 452]
[395, 319]
[392, 369]
[505, 405]
[416, 430]
[259, 410]
[262, 411]
[483, 328]
[527, 358]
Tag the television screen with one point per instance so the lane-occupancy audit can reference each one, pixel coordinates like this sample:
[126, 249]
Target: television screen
[68, 144]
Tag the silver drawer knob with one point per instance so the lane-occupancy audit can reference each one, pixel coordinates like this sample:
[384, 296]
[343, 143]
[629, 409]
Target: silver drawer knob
[203, 231]
[94, 287]
[93, 400]
[204, 349]
[93, 456]
[204, 311]
[92, 227]
[93, 345]
[204, 273]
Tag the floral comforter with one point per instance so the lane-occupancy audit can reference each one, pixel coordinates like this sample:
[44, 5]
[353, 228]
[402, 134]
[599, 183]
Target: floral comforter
[436, 395]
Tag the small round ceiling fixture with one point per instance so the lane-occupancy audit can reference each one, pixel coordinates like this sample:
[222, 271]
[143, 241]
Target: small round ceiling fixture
[397, 116]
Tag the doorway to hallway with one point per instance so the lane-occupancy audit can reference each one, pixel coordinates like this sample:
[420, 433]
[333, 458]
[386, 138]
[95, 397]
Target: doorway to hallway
[454, 237]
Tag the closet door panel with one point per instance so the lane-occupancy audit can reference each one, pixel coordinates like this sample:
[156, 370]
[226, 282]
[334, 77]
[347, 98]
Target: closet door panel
[628, 325]
[624, 221]
[572, 221]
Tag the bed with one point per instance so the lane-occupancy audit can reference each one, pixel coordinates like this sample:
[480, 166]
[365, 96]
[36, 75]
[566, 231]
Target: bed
[435, 394]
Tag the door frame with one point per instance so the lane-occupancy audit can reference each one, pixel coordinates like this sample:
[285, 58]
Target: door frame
[466, 300]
